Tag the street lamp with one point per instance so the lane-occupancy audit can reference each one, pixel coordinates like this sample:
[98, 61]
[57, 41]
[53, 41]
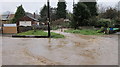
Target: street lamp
[48, 4]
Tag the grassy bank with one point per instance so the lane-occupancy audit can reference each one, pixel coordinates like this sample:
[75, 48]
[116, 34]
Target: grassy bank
[41, 33]
[84, 32]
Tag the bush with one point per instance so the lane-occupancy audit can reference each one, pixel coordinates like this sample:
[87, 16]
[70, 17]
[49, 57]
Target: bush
[105, 23]
[117, 21]
[100, 30]
[54, 28]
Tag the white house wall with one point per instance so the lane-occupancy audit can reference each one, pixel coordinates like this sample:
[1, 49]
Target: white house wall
[25, 23]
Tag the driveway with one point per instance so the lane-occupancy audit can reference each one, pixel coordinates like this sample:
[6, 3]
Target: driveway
[73, 50]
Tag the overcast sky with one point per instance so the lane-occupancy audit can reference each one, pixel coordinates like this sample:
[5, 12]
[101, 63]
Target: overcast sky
[36, 5]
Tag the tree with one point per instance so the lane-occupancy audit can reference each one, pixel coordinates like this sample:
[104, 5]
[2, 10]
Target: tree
[69, 15]
[61, 10]
[44, 13]
[53, 14]
[92, 6]
[81, 15]
[110, 13]
[18, 14]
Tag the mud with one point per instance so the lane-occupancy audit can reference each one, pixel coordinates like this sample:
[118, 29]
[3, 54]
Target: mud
[72, 50]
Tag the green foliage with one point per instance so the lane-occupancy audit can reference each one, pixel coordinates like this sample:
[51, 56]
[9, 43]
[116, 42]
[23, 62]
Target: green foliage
[56, 35]
[93, 21]
[117, 20]
[44, 13]
[100, 30]
[18, 14]
[106, 23]
[54, 27]
[81, 15]
[41, 33]
[84, 32]
[92, 6]
[69, 16]
[61, 10]
[73, 24]
[110, 14]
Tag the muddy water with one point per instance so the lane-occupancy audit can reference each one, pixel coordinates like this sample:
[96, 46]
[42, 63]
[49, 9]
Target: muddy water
[0, 49]
[72, 50]
[63, 52]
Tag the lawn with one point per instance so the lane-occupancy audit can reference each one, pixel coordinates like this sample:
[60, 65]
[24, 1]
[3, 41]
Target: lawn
[41, 33]
[84, 32]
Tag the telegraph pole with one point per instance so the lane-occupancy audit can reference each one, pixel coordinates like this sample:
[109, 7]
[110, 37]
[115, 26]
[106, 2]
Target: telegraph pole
[48, 4]
[119, 9]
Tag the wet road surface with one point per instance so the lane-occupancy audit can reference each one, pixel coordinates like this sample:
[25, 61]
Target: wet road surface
[74, 49]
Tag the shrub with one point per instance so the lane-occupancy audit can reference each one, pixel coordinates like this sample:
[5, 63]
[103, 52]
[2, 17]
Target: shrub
[104, 22]
[100, 30]
[54, 28]
[117, 21]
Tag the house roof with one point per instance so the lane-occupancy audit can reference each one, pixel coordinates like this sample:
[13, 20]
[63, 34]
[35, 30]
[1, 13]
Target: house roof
[4, 17]
[32, 18]
[11, 16]
[36, 16]
[7, 17]
[26, 18]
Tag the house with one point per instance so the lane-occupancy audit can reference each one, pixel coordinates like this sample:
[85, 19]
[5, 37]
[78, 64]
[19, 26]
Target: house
[23, 24]
[4, 19]
[26, 23]
[7, 18]
[5, 24]
[11, 16]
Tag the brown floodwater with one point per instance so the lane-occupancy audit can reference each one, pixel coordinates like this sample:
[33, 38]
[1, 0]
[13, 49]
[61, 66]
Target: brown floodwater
[72, 50]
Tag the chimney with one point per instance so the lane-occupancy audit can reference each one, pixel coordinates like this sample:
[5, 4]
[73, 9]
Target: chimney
[34, 15]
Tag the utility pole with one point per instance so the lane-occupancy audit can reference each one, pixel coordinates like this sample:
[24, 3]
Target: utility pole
[48, 4]
[119, 9]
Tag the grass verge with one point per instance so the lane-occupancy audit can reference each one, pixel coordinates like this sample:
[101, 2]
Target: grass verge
[41, 33]
[84, 32]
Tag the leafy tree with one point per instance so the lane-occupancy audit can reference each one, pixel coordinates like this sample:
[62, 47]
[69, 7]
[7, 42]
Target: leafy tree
[18, 14]
[69, 15]
[44, 13]
[61, 10]
[81, 15]
[92, 6]
[53, 14]
[105, 23]
[110, 13]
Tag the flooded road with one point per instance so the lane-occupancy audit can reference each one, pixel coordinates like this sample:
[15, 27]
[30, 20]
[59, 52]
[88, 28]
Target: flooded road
[0, 49]
[74, 49]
